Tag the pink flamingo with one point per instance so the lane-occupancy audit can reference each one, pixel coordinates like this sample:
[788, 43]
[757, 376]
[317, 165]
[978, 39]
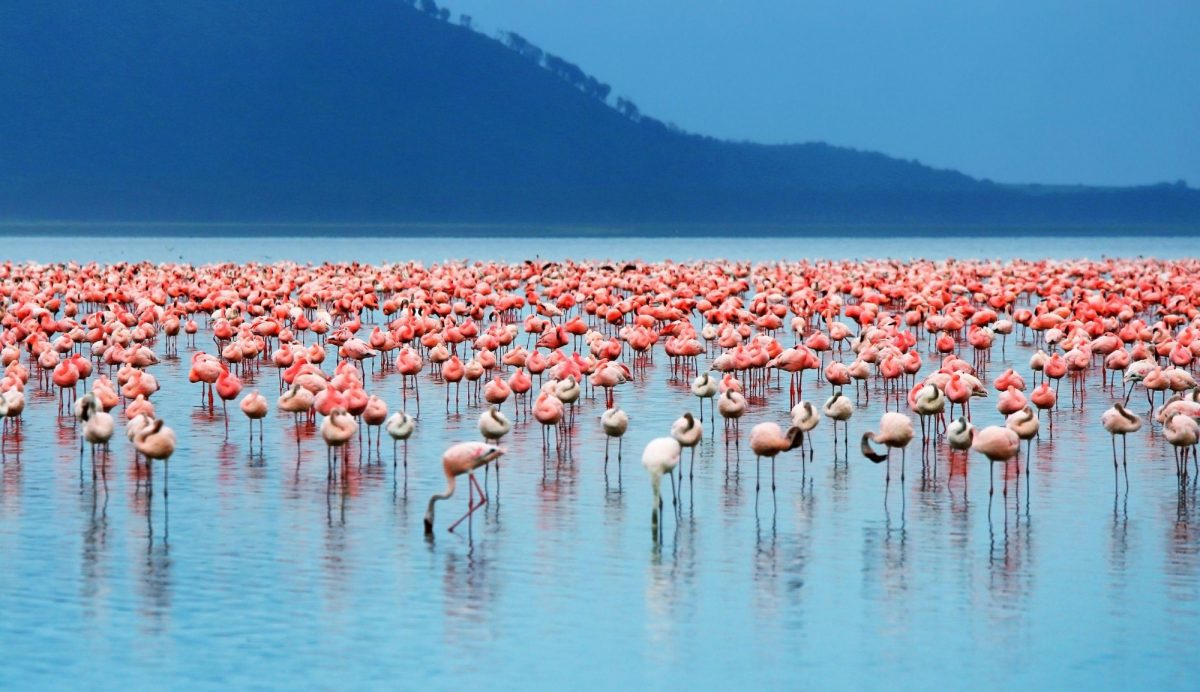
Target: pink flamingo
[768, 440]
[461, 458]
[895, 431]
[254, 405]
[997, 444]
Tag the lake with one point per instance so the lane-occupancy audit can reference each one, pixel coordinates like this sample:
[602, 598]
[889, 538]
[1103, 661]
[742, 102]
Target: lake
[258, 571]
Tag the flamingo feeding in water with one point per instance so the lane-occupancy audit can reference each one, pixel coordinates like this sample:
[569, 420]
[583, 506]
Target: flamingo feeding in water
[461, 458]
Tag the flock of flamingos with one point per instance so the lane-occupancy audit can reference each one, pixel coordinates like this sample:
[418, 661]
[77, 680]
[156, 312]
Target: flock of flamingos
[542, 340]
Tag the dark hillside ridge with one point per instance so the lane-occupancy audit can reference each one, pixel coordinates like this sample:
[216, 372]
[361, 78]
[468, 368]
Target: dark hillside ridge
[379, 111]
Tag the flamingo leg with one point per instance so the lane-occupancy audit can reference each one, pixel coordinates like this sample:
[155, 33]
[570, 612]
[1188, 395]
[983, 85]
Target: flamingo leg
[472, 505]
[1125, 458]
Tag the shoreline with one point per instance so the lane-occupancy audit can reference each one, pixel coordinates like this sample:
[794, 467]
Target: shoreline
[71, 229]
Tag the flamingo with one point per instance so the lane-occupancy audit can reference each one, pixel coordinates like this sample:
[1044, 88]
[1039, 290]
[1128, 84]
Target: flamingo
[400, 427]
[374, 415]
[228, 387]
[254, 405]
[615, 422]
[688, 434]
[768, 440]
[960, 434]
[453, 372]
[461, 458]
[805, 417]
[548, 410]
[732, 406]
[134, 427]
[97, 427]
[82, 408]
[338, 428]
[895, 431]
[1025, 424]
[661, 457]
[493, 425]
[997, 444]
[1182, 432]
[927, 402]
[567, 392]
[838, 409]
[156, 442]
[296, 400]
[1045, 399]
[705, 387]
[1119, 420]
[65, 377]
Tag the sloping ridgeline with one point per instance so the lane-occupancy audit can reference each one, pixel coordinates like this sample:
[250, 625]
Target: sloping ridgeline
[382, 110]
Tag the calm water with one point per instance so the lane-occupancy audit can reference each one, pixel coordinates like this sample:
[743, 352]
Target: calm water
[261, 572]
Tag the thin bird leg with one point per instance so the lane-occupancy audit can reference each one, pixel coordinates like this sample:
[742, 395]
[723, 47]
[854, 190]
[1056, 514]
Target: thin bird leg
[1125, 458]
[1114, 451]
[472, 505]
[482, 495]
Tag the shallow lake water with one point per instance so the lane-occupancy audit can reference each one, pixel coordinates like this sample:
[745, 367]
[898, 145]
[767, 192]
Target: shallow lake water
[256, 570]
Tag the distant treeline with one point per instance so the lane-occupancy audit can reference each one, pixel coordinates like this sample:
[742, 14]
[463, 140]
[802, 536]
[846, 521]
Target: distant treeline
[564, 69]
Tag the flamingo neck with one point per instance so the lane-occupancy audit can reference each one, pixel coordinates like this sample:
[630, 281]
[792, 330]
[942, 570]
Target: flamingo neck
[451, 481]
[867, 452]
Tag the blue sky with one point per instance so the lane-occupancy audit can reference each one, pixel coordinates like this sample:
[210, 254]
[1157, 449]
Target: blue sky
[1097, 92]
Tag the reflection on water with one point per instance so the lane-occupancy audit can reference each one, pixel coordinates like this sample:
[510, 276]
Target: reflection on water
[259, 559]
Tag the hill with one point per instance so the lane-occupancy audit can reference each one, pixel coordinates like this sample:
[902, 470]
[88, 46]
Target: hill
[379, 110]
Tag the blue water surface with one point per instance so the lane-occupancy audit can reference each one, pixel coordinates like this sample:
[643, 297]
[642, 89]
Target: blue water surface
[257, 571]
